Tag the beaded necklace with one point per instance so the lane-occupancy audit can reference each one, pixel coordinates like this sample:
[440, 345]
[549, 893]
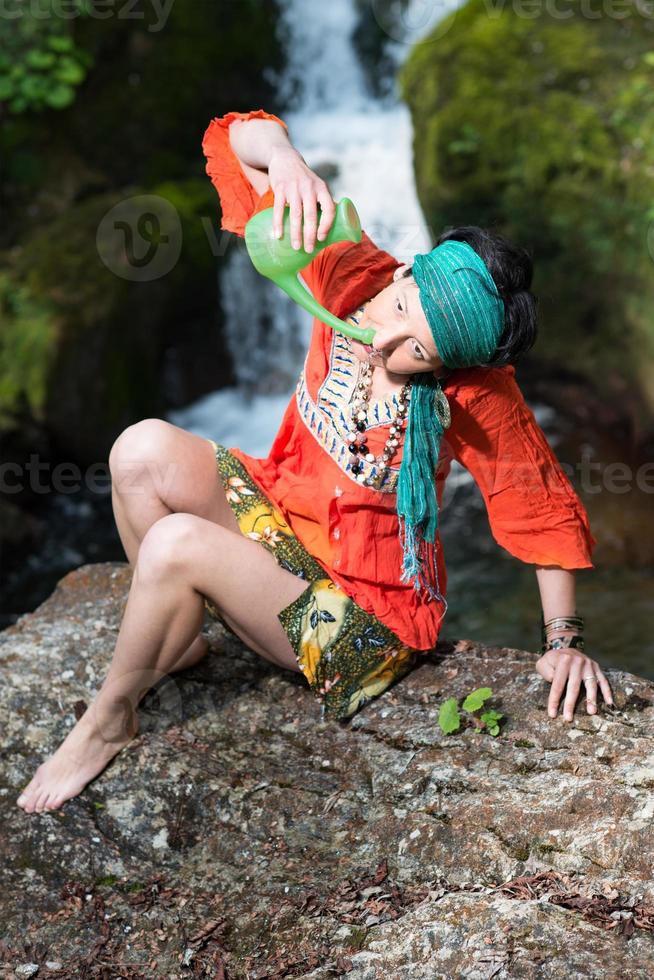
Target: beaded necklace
[356, 434]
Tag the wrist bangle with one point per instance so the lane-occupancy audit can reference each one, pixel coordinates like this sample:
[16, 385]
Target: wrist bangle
[575, 642]
[562, 632]
[566, 621]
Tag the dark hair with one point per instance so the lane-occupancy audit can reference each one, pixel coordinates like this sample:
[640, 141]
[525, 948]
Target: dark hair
[512, 269]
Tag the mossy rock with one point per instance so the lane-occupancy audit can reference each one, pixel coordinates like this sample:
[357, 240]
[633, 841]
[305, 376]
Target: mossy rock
[542, 127]
[85, 347]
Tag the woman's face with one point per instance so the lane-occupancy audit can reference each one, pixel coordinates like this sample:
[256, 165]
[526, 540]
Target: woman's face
[402, 333]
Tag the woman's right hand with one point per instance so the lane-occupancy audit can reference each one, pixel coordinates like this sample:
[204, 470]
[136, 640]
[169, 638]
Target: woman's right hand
[295, 184]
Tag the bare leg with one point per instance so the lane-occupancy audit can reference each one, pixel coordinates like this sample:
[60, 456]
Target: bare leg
[181, 559]
[159, 469]
[161, 617]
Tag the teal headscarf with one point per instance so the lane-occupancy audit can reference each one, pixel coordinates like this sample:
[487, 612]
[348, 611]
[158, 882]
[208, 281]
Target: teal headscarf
[466, 315]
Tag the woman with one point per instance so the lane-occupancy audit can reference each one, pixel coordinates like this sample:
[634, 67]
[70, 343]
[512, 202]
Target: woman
[325, 556]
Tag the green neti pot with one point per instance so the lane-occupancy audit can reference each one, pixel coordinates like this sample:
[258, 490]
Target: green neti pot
[276, 259]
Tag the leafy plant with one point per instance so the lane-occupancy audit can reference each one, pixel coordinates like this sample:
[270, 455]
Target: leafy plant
[476, 698]
[449, 716]
[490, 720]
[40, 65]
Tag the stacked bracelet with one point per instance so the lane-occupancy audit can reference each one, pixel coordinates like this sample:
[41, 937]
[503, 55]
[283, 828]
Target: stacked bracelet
[561, 633]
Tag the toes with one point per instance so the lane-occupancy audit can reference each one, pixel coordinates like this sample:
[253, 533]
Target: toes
[26, 798]
[28, 805]
[40, 800]
[36, 799]
[53, 802]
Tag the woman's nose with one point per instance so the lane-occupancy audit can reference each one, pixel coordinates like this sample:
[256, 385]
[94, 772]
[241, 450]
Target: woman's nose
[384, 338]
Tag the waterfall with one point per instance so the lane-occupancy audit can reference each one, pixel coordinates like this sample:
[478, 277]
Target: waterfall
[363, 146]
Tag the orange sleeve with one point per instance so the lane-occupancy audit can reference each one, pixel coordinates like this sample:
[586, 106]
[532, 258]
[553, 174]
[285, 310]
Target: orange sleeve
[238, 198]
[337, 267]
[533, 510]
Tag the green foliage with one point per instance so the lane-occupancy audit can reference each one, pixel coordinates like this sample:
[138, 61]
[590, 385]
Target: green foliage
[475, 699]
[28, 334]
[490, 720]
[40, 65]
[153, 85]
[82, 350]
[542, 128]
[449, 716]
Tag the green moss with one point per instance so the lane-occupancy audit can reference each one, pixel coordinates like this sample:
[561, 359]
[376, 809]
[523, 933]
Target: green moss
[198, 207]
[357, 939]
[83, 345]
[106, 881]
[135, 886]
[79, 350]
[518, 850]
[28, 333]
[543, 129]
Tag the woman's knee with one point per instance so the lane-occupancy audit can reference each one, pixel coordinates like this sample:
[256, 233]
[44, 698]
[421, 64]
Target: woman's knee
[168, 545]
[139, 448]
[139, 440]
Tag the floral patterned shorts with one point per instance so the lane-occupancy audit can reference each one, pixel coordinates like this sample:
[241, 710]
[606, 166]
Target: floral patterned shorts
[346, 654]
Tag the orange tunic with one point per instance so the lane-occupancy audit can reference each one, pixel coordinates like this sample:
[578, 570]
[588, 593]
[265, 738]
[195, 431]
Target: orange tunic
[351, 529]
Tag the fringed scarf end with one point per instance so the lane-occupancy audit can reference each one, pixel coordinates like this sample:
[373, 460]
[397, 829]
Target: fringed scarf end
[419, 560]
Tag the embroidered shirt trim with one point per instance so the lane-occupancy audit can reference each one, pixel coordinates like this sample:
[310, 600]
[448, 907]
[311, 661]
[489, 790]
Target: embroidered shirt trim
[327, 418]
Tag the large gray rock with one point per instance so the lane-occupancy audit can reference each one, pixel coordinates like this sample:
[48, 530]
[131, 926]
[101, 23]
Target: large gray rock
[239, 836]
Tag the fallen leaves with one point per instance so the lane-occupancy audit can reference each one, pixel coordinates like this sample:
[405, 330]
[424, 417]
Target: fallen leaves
[367, 901]
[609, 911]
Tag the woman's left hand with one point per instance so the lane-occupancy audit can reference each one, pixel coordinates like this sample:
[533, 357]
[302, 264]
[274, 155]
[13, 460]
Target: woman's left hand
[572, 668]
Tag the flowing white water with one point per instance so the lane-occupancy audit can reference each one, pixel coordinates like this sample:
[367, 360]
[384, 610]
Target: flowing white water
[367, 143]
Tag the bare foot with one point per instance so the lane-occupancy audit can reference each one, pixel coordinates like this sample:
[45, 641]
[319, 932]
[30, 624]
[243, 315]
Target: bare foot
[84, 753]
[197, 650]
